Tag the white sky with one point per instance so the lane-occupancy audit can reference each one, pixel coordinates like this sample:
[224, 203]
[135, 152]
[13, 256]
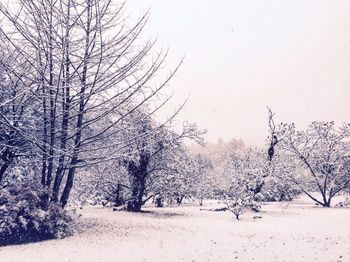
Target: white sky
[242, 55]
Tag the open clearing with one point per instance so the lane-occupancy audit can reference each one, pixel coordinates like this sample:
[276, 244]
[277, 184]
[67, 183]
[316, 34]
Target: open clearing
[296, 231]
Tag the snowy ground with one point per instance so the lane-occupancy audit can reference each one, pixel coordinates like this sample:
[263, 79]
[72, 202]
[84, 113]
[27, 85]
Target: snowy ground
[296, 231]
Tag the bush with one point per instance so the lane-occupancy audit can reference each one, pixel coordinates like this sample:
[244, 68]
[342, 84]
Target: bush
[25, 217]
[238, 205]
[345, 203]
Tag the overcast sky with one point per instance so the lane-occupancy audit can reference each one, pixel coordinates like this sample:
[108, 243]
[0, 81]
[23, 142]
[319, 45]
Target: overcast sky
[244, 55]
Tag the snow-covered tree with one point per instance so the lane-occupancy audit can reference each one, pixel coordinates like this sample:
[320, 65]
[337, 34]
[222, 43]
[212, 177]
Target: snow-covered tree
[180, 176]
[278, 185]
[149, 151]
[323, 152]
[206, 184]
[148, 160]
[84, 65]
[246, 172]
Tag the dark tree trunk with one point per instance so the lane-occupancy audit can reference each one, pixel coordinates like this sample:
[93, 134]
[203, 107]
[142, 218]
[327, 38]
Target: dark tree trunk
[60, 168]
[134, 205]
[327, 203]
[138, 189]
[69, 182]
[118, 200]
[74, 161]
[138, 174]
[65, 114]
[7, 158]
[52, 103]
[82, 102]
[201, 201]
[3, 170]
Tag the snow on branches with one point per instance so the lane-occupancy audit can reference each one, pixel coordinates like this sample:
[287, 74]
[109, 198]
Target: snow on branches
[322, 152]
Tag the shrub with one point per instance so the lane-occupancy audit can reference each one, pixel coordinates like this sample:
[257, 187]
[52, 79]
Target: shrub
[345, 203]
[25, 217]
[238, 205]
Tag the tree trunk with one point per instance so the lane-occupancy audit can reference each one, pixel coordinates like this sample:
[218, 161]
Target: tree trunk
[327, 203]
[69, 182]
[118, 200]
[52, 101]
[201, 201]
[65, 112]
[80, 120]
[135, 203]
[3, 170]
[7, 158]
[139, 174]
[74, 161]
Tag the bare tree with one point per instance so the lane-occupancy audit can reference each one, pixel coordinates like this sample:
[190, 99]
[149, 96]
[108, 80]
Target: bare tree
[89, 71]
